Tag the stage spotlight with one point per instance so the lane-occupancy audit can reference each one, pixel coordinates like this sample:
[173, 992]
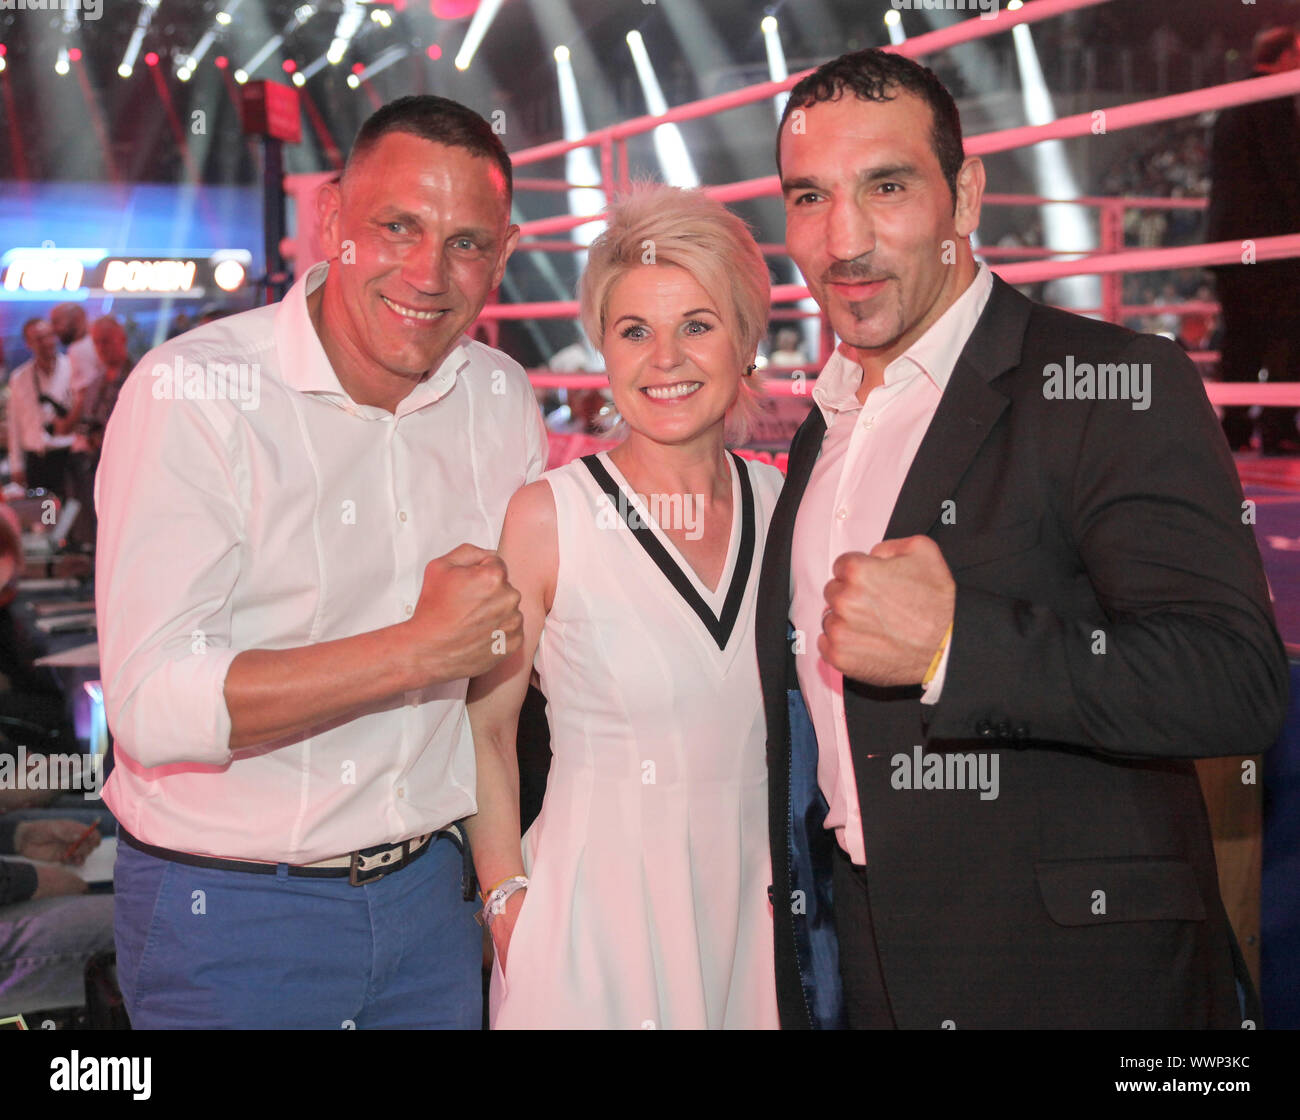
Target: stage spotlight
[288, 66]
[894, 25]
[3, 51]
[298, 78]
[381, 17]
[1012, 5]
[478, 27]
[202, 47]
[184, 74]
[221, 62]
[358, 67]
[241, 76]
[74, 54]
[674, 160]
[142, 22]
[354, 82]
[1065, 226]
[350, 20]
[61, 66]
[434, 52]
[776, 67]
[579, 164]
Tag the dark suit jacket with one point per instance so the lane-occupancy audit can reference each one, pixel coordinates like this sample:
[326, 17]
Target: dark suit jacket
[1112, 624]
[1255, 171]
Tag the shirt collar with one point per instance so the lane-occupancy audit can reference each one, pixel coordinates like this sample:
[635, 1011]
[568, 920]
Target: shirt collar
[304, 365]
[934, 354]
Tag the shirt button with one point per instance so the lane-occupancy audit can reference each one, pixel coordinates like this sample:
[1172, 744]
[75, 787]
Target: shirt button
[841, 513]
[401, 791]
[401, 516]
[408, 610]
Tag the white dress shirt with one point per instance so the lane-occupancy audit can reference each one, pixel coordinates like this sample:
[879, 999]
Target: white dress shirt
[86, 369]
[282, 516]
[865, 455]
[28, 417]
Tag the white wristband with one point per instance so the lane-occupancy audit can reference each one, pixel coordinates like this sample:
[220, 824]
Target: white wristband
[496, 901]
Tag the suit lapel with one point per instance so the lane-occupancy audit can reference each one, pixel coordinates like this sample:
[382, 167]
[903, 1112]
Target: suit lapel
[774, 584]
[966, 414]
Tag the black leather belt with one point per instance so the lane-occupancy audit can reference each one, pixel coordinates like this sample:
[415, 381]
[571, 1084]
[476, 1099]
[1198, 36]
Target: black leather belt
[367, 865]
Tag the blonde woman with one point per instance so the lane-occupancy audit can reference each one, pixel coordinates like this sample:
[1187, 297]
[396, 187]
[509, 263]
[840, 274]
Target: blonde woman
[639, 896]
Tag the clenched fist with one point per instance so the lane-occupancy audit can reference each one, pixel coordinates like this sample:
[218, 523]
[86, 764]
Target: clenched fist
[887, 612]
[467, 618]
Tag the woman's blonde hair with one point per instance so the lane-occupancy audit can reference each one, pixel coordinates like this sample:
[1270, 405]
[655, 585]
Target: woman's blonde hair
[658, 224]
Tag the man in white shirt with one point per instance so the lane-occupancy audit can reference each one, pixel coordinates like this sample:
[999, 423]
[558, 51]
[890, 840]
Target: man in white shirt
[69, 323]
[42, 413]
[284, 661]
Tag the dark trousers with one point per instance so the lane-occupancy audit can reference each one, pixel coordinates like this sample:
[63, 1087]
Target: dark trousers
[865, 1000]
[1261, 329]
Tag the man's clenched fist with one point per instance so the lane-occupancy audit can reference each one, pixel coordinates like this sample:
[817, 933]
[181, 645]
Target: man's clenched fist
[886, 613]
[467, 618]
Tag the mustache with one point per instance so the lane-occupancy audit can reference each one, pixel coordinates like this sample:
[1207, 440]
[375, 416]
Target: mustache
[852, 274]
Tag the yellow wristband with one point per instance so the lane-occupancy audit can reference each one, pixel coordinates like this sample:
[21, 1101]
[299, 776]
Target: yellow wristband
[934, 665]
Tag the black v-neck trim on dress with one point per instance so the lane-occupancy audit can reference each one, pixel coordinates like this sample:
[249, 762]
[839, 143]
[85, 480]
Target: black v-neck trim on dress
[719, 627]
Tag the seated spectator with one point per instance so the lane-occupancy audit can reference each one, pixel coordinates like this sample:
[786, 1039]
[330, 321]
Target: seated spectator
[48, 930]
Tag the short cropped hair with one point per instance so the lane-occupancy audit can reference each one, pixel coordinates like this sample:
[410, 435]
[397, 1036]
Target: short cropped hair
[1272, 44]
[439, 119]
[27, 326]
[876, 75]
[658, 224]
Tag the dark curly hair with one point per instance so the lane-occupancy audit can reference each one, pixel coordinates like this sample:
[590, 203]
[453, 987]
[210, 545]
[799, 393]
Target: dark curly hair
[876, 75]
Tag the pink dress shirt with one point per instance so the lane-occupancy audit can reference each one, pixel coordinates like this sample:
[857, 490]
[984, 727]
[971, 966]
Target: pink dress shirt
[865, 456]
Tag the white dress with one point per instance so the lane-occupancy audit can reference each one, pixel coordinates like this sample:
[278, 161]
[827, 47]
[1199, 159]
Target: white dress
[649, 861]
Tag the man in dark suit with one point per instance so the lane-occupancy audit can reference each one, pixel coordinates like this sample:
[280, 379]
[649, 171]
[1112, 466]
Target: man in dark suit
[1010, 592]
[1255, 192]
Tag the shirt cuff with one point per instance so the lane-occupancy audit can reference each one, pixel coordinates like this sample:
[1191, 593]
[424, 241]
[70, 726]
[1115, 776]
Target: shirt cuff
[932, 690]
[180, 713]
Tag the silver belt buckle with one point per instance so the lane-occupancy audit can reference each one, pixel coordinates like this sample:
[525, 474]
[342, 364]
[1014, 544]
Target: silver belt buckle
[365, 864]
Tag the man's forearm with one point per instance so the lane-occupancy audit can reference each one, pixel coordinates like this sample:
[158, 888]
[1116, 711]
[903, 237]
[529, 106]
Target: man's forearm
[274, 693]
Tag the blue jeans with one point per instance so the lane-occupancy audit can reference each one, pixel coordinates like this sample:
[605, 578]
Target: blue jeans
[205, 948]
[44, 946]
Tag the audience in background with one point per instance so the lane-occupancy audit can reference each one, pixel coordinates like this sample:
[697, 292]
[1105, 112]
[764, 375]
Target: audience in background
[786, 352]
[42, 413]
[68, 321]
